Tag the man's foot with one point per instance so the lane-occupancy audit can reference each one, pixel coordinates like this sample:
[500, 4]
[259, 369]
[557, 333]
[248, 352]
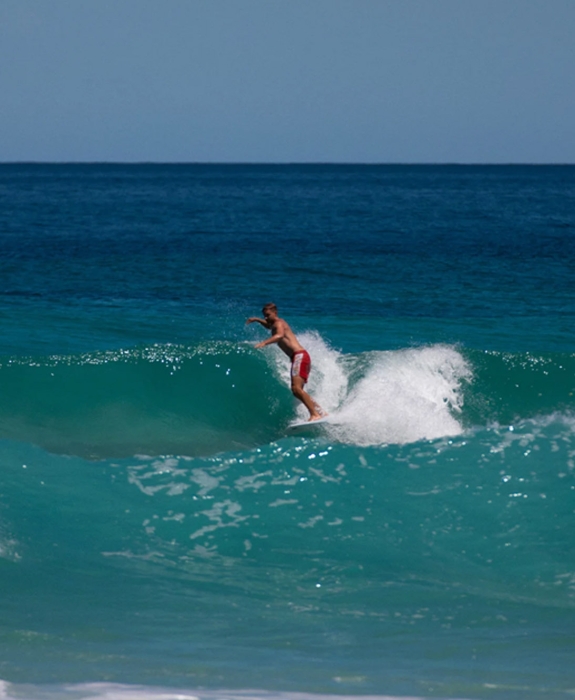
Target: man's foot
[317, 416]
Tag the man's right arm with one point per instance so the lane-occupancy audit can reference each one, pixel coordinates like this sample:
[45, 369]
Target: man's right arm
[278, 333]
[254, 319]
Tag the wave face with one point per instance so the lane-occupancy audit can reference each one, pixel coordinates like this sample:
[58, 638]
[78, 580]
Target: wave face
[198, 400]
[506, 387]
[155, 509]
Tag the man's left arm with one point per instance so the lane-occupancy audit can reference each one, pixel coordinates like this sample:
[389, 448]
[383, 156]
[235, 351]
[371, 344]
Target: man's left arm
[255, 319]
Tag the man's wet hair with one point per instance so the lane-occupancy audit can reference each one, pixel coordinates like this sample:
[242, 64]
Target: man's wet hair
[271, 306]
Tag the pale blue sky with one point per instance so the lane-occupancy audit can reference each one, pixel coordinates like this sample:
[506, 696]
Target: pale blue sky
[288, 80]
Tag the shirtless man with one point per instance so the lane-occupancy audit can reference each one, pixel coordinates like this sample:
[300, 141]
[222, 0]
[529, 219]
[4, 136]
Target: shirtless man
[283, 335]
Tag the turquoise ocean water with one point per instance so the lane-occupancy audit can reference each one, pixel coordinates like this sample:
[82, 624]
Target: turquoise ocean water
[164, 535]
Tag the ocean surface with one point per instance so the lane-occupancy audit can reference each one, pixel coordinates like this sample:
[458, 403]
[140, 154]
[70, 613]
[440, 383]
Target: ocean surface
[163, 533]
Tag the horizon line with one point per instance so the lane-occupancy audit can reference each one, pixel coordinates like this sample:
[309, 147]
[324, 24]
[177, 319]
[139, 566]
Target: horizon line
[283, 163]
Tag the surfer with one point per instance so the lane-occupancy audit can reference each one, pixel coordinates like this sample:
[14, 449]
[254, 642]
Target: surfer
[283, 335]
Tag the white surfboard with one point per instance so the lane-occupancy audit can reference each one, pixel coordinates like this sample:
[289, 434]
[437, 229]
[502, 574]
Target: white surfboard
[300, 424]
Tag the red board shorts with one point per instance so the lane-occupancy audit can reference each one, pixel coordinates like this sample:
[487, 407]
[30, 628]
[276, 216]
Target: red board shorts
[301, 365]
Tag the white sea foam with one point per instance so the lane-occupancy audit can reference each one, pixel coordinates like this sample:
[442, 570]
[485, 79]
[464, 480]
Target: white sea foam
[118, 691]
[386, 396]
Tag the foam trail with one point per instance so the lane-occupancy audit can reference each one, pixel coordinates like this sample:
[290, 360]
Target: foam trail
[118, 691]
[404, 396]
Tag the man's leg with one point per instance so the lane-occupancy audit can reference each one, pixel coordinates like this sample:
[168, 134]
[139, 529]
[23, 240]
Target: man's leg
[297, 384]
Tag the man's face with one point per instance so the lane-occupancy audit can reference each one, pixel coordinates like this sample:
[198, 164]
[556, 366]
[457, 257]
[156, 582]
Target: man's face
[270, 316]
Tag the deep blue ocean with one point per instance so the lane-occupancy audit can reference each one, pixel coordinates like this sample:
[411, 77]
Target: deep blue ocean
[163, 533]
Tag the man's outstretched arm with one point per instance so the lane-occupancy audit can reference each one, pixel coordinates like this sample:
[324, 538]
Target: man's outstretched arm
[255, 319]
